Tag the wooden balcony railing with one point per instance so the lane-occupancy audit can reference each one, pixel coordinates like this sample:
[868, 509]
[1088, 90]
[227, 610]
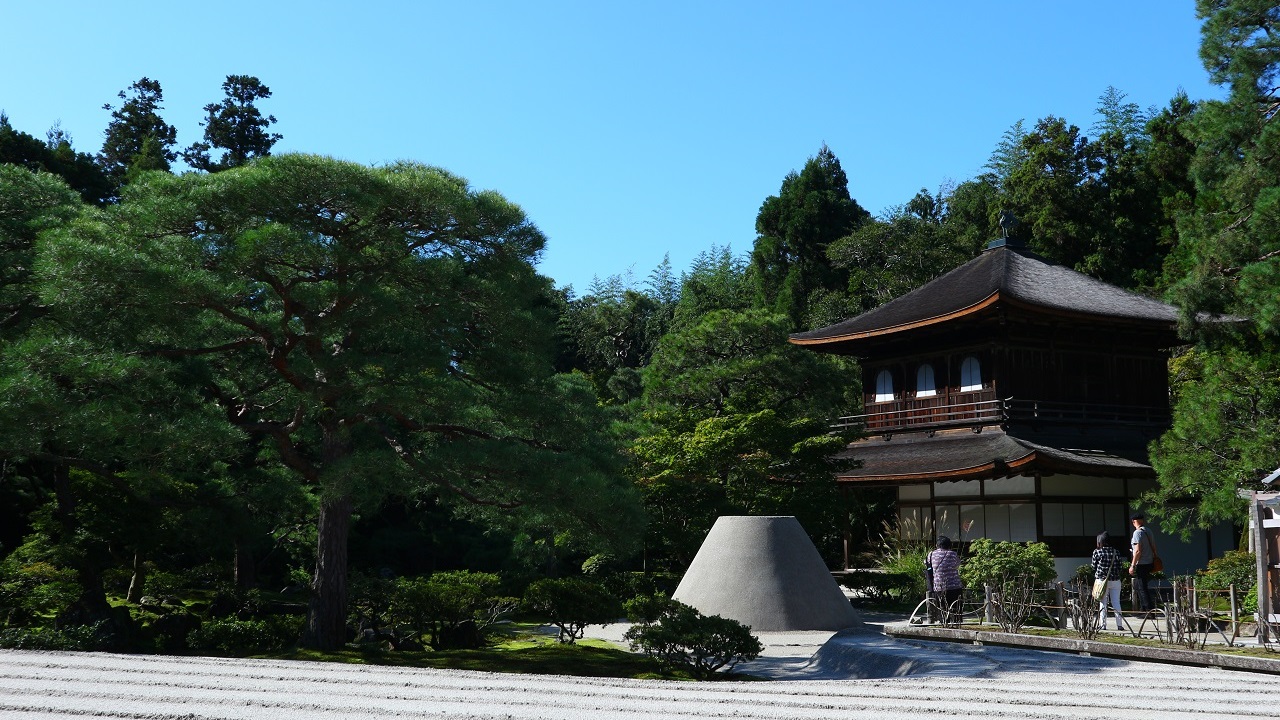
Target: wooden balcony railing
[958, 408]
[983, 408]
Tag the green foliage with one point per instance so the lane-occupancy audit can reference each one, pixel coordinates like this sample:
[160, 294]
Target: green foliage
[450, 609]
[370, 602]
[646, 609]
[29, 204]
[235, 126]
[612, 332]
[1098, 206]
[1009, 154]
[571, 604]
[56, 156]
[31, 587]
[599, 564]
[1235, 567]
[737, 423]
[903, 558]
[237, 638]
[1225, 435]
[80, 638]
[890, 256]
[1225, 419]
[160, 584]
[880, 586]
[715, 280]
[685, 638]
[375, 331]
[812, 209]
[628, 585]
[137, 135]
[1002, 563]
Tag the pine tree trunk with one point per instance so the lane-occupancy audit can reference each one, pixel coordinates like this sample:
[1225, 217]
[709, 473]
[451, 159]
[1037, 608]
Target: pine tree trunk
[327, 613]
[139, 578]
[245, 570]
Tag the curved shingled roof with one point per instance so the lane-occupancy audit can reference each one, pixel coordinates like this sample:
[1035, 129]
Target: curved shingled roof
[962, 455]
[1004, 274]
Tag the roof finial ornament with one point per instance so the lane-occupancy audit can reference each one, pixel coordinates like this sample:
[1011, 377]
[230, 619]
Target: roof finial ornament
[1008, 221]
[1008, 231]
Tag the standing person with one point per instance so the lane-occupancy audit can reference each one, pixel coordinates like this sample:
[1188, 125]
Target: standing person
[1106, 566]
[1143, 546]
[946, 579]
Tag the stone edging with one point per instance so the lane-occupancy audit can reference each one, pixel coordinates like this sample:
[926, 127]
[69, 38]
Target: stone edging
[1085, 647]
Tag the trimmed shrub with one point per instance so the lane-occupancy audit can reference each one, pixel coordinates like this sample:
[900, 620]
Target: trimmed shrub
[571, 604]
[369, 606]
[884, 585]
[684, 638]
[646, 609]
[997, 563]
[599, 565]
[1235, 567]
[230, 636]
[77, 637]
[448, 609]
[1014, 572]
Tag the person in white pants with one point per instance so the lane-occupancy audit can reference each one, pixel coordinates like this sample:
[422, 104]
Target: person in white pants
[1106, 564]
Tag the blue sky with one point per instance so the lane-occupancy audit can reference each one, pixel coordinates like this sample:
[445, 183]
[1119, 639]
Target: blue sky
[627, 131]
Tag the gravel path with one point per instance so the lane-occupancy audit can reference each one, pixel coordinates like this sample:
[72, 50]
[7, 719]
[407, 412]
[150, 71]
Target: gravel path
[847, 677]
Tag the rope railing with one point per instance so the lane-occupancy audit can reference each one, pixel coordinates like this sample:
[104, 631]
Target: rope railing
[1188, 616]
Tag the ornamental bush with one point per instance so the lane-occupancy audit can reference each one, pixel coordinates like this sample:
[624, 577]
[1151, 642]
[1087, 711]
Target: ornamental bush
[448, 610]
[75, 637]
[998, 563]
[684, 638]
[1235, 567]
[231, 636]
[1013, 571]
[571, 604]
[32, 588]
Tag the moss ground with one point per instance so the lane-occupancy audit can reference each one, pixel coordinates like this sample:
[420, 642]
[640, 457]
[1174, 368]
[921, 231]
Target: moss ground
[522, 649]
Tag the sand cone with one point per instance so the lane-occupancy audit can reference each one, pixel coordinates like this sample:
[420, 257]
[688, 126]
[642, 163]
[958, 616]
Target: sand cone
[764, 572]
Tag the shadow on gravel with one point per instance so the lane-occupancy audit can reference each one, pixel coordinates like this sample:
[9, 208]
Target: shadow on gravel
[865, 653]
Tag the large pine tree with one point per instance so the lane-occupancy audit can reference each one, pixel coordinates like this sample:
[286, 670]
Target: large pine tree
[1226, 433]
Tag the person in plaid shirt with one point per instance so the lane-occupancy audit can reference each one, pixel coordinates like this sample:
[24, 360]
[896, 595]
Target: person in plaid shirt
[1106, 565]
[945, 564]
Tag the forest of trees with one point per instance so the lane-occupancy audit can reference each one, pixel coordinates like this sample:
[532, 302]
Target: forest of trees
[290, 371]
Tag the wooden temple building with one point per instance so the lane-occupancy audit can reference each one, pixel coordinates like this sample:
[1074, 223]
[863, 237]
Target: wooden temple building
[1014, 399]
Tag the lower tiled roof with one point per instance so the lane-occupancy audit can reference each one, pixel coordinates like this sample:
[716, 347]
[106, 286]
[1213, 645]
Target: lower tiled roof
[993, 452]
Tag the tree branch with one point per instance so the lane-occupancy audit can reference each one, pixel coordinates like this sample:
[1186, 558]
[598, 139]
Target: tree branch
[416, 465]
[1236, 270]
[189, 352]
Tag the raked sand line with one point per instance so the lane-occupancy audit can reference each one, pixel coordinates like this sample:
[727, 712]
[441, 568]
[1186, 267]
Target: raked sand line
[1012, 684]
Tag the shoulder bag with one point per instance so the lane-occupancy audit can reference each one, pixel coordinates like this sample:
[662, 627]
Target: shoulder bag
[1100, 583]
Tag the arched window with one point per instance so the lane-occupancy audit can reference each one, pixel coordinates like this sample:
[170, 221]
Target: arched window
[884, 386]
[925, 386]
[970, 374]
